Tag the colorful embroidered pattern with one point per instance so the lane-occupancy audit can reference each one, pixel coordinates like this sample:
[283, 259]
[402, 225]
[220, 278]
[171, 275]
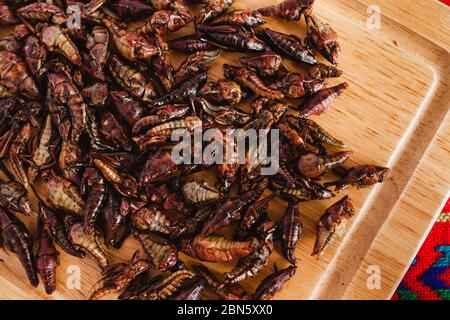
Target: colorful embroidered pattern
[428, 278]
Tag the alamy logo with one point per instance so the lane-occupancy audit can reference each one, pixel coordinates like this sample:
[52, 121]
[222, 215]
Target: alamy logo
[257, 148]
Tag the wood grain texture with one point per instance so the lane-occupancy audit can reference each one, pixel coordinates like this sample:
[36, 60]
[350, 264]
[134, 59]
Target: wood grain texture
[395, 113]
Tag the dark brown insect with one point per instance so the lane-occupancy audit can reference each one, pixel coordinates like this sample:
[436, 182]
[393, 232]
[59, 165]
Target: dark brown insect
[43, 12]
[289, 46]
[129, 110]
[57, 40]
[195, 63]
[290, 10]
[35, 55]
[163, 22]
[321, 101]
[54, 226]
[114, 131]
[232, 37]
[295, 85]
[332, 223]
[14, 75]
[130, 9]
[7, 16]
[192, 44]
[90, 244]
[132, 80]
[69, 159]
[17, 239]
[161, 252]
[322, 71]
[213, 9]
[47, 260]
[14, 197]
[314, 166]
[266, 64]
[252, 264]
[222, 92]
[291, 229]
[273, 283]
[158, 167]
[160, 115]
[360, 176]
[249, 79]
[245, 17]
[191, 289]
[230, 209]
[118, 276]
[10, 43]
[65, 93]
[226, 291]
[131, 45]
[322, 37]
[151, 219]
[94, 185]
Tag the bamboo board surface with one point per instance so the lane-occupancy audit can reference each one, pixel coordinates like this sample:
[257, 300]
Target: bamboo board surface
[395, 113]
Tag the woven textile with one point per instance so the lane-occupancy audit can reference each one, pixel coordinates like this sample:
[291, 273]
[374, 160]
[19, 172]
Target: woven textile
[428, 278]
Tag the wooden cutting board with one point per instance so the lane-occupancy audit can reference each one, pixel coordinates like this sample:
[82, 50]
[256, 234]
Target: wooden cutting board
[395, 113]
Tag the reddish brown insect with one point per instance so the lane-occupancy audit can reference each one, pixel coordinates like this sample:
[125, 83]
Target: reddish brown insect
[321, 101]
[161, 252]
[291, 229]
[245, 17]
[314, 166]
[215, 248]
[16, 237]
[273, 283]
[290, 10]
[322, 37]
[332, 222]
[360, 176]
[47, 260]
[290, 46]
[14, 197]
[266, 64]
[249, 79]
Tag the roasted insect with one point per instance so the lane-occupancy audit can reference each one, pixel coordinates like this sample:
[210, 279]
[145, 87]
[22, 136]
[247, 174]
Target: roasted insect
[80, 240]
[215, 248]
[57, 40]
[332, 223]
[232, 37]
[200, 192]
[14, 75]
[197, 62]
[266, 64]
[129, 110]
[17, 239]
[290, 10]
[59, 193]
[249, 79]
[131, 45]
[64, 93]
[230, 209]
[321, 101]
[7, 16]
[94, 185]
[192, 44]
[163, 22]
[53, 225]
[253, 263]
[162, 254]
[273, 283]
[118, 276]
[130, 9]
[43, 12]
[213, 9]
[291, 229]
[14, 197]
[246, 17]
[360, 176]
[290, 46]
[296, 85]
[152, 219]
[322, 37]
[314, 166]
[222, 92]
[132, 80]
[47, 260]
[226, 291]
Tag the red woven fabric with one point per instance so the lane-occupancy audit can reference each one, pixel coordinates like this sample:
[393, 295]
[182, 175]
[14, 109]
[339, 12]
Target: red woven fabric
[428, 278]
[447, 2]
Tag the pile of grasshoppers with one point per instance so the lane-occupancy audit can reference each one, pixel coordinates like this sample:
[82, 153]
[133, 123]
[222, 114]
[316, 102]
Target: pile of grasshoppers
[86, 118]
